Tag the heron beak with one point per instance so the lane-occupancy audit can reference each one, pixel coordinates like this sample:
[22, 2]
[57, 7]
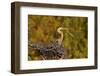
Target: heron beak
[68, 32]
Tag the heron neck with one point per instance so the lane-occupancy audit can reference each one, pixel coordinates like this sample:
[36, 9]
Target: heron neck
[61, 38]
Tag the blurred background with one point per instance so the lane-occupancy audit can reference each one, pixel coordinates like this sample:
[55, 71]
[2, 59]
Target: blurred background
[44, 29]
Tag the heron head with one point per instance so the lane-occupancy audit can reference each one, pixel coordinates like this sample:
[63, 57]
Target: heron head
[62, 28]
[66, 29]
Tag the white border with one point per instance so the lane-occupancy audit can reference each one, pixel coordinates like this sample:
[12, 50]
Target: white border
[25, 64]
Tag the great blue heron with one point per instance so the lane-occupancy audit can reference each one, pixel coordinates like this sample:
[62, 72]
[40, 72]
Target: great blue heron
[54, 50]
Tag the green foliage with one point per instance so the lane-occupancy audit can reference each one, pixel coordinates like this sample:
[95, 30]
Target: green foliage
[44, 29]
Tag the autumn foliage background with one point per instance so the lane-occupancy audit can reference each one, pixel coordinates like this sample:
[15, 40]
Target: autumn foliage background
[44, 29]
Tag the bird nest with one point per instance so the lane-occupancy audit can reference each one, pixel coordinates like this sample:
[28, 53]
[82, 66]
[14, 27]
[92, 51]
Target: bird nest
[50, 51]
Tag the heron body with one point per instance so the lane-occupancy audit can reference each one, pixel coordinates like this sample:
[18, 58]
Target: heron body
[54, 50]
